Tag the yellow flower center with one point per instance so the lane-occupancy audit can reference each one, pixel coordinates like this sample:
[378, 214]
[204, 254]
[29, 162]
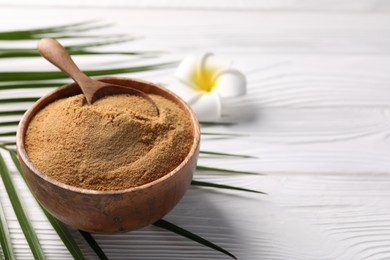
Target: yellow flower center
[204, 78]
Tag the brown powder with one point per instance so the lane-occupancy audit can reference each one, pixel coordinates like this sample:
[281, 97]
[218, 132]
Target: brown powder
[114, 144]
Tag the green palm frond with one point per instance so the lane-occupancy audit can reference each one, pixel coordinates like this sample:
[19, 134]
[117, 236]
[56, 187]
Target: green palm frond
[221, 186]
[185, 233]
[9, 123]
[18, 100]
[5, 239]
[223, 170]
[20, 213]
[2, 146]
[110, 41]
[8, 143]
[49, 75]
[216, 123]
[7, 134]
[222, 134]
[38, 33]
[227, 154]
[12, 112]
[25, 53]
[31, 85]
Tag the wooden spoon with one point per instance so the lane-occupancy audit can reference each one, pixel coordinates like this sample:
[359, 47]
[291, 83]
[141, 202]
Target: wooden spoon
[92, 89]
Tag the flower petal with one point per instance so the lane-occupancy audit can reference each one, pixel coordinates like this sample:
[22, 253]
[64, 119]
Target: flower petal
[186, 68]
[231, 83]
[183, 90]
[209, 60]
[207, 107]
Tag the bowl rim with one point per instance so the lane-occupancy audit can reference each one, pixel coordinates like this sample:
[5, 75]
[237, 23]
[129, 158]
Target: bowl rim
[22, 129]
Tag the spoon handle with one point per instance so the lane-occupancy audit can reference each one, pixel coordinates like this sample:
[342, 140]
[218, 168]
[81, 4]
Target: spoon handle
[54, 52]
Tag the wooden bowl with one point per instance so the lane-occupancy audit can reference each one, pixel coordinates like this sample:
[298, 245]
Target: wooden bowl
[109, 211]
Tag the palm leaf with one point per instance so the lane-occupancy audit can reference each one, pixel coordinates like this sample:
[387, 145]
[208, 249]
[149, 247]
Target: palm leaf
[223, 134]
[8, 123]
[24, 222]
[110, 41]
[47, 75]
[5, 240]
[58, 226]
[76, 27]
[185, 233]
[12, 112]
[18, 100]
[227, 154]
[8, 134]
[5, 148]
[216, 123]
[32, 85]
[37, 33]
[51, 28]
[213, 169]
[25, 53]
[221, 186]
[78, 49]
[8, 143]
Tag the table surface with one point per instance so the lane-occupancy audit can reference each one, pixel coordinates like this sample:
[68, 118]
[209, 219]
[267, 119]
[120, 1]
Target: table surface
[318, 121]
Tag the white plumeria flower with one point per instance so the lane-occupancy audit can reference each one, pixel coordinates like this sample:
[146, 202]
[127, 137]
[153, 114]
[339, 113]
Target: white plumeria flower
[204, 81]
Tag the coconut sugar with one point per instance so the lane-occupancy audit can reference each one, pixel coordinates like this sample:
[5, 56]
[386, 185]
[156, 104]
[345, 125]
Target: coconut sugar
[116, 143]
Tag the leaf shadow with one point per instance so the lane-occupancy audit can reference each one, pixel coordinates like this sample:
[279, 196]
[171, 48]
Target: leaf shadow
[198, 214]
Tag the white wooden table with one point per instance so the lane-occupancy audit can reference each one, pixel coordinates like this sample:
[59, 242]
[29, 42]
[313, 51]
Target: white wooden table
[319, 92]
